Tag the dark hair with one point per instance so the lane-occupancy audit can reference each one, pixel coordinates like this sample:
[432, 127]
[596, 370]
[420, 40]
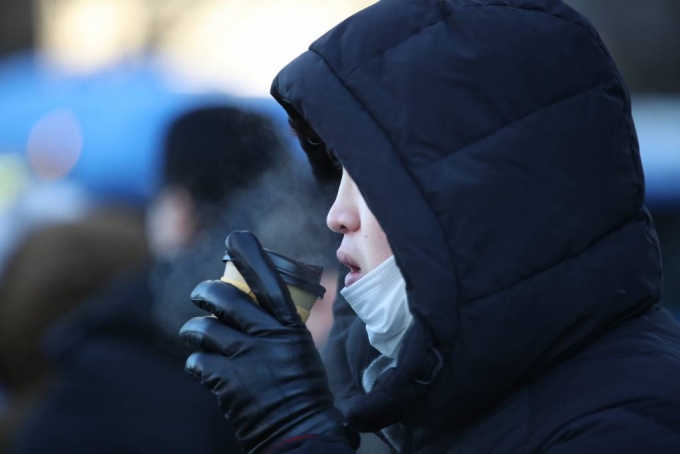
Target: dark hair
[322, 159]
[213, 152]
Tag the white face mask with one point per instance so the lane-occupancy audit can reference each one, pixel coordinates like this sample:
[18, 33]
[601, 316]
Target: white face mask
[380, 300]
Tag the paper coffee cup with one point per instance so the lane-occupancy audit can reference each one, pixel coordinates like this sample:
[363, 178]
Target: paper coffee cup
[303, 281]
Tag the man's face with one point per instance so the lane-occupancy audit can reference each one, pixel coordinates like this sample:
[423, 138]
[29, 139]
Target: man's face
[364, 243]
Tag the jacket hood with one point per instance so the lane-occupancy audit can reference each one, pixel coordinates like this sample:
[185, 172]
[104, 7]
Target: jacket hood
[493, 140]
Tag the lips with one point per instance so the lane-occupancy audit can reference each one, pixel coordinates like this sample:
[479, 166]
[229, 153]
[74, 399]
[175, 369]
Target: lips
[354, 269]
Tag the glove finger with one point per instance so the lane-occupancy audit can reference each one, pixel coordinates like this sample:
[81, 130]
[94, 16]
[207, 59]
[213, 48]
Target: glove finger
[214, 372]
[197, 362]
[209, 334]
[257, 269]
[235, 394]
[233, 307]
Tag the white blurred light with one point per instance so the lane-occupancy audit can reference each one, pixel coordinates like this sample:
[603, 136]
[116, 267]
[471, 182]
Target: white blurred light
[233, 45]
[240, 45]
[86, 35]
[55, 144]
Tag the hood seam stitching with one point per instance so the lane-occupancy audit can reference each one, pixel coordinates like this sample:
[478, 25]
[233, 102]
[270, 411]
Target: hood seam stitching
[519, 120]
[596, 40]
[639, 215]
[395, 45]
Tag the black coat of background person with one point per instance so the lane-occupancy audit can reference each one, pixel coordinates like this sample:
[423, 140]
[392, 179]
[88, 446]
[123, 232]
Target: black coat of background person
[494, 142]
[119, 386]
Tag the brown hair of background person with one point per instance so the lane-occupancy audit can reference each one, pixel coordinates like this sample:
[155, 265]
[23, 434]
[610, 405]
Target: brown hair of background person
[53, 271]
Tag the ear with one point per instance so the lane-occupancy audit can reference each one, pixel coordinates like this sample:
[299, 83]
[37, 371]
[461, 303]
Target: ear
[171, 222]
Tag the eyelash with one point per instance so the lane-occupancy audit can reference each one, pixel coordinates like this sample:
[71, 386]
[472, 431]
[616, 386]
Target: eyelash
[302, 130]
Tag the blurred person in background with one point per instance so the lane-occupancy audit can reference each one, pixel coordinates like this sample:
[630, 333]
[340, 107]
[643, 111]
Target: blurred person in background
[227, 168]
[116, 383]
[212, 154]
[25, 310]
[504, 271]
[51, 275]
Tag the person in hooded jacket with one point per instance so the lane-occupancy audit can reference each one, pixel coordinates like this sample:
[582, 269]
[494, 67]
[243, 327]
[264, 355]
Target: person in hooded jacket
[504, 272]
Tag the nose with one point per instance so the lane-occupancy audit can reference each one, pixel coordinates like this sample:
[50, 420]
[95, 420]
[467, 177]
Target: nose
[342, 217]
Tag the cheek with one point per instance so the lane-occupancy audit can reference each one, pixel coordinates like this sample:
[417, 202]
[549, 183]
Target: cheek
[381, 248]
[376, 244]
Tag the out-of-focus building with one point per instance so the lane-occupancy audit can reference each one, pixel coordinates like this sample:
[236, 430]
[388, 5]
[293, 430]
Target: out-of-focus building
[643, 37]
[17, 30]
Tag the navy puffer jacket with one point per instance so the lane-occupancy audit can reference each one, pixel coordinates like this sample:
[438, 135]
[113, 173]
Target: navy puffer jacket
[493, 140]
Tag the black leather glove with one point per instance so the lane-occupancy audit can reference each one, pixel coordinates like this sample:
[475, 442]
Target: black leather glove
[260, 362]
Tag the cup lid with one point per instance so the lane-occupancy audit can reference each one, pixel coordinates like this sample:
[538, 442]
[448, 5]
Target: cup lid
[302, 275]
